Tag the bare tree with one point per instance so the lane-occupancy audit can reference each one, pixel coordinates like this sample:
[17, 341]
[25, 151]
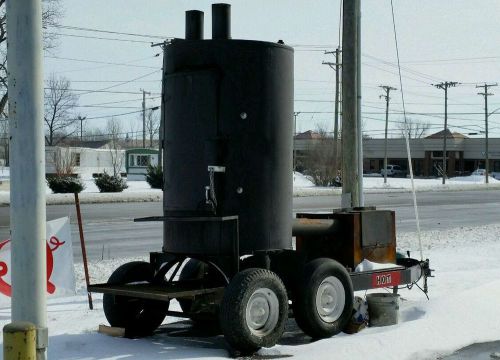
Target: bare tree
[4, 139]
[319, 160]
[414, 129]
[64, 161]
[114, 130]
[152, 124]
[94, 134]
[52, 12]
[133, 129]
[59, 102]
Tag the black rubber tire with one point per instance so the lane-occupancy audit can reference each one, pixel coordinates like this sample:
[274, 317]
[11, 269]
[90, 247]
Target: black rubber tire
[304, 306]
[139, 317]
[233, 310]
[197, 270]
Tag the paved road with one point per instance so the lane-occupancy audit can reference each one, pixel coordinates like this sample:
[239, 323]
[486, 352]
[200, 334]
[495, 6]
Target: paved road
[110, 231]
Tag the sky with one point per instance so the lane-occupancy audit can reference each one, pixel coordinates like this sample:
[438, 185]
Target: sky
[447, 40]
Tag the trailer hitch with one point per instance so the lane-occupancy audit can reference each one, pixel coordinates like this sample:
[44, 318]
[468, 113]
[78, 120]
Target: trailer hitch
[427, 273]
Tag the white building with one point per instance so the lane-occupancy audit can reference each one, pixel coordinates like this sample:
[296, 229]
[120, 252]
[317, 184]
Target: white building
[83, 160]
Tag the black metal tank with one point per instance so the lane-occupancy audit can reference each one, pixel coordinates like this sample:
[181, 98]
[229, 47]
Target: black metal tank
[228, 130]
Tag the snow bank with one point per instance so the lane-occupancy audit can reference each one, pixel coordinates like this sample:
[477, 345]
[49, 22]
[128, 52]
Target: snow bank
[462, 310]
[375, 184]
[139, 191]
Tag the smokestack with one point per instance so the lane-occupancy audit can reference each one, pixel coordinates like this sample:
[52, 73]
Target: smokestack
[221, 21]
[194, 25]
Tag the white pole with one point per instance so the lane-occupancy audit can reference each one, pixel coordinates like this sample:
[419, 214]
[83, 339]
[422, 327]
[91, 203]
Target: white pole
[27, 166]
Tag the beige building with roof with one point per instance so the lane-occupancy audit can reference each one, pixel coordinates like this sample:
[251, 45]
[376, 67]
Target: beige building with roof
[464, 155]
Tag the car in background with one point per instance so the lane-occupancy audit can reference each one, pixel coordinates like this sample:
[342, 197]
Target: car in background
[394, 171]
[480, 172]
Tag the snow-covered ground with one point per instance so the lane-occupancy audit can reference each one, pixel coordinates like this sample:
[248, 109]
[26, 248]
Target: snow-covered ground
[302, 186]
[462, 310]
[373, 183]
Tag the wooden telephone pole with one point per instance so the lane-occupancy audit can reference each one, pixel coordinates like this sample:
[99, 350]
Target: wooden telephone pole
[486, 156]
[387, 90]
[444, 86]
[336, 65]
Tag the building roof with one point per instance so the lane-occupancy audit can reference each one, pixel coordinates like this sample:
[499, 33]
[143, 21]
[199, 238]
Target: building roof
[449, 135]
[308, 135]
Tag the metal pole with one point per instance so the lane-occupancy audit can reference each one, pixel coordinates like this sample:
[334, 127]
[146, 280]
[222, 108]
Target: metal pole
[359, 121]
[350, 176]
[84, 251]
[27, 167]
[81, 118]
[445, 136]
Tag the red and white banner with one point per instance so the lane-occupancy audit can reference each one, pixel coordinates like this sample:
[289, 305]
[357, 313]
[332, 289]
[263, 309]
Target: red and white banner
[60, 270]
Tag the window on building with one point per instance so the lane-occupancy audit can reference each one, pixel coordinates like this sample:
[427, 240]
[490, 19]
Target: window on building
[131, 159]
[143, 160]
[75, 159]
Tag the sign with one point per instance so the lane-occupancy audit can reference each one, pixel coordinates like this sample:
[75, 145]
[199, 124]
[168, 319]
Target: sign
[60, 269]
[386, 279]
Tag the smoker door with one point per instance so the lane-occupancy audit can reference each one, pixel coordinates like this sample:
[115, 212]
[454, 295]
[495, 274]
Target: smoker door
[190, 119]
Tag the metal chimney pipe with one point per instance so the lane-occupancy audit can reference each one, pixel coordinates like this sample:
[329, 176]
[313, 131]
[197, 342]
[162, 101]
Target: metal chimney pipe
[194, 25]
[221, 21]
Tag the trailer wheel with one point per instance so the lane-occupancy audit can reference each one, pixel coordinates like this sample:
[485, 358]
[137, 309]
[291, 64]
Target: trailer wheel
[139, 317]
[198, 270]
[324, 300]
[254, 310]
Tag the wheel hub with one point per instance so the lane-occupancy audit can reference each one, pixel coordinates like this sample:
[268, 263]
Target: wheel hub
[262, 312]
[330, 299]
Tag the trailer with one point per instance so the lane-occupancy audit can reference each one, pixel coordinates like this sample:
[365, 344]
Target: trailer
[232, 254]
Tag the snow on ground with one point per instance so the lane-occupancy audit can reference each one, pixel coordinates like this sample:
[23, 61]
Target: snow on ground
[375, 184]
[462, 310]
[138, 191]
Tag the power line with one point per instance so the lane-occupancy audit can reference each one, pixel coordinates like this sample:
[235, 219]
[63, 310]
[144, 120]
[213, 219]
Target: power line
[110, 32]
[414, 72]
[101, 38]
[111, 81]
[452, 59]
[101, 91]
[114, 115]
[124, 82]
[107, 63]
[124, 101]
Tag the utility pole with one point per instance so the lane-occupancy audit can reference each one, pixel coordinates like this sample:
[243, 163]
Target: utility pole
[144, 117]
[336, 65]
[444, 86]
[81, 118]
[359, 122]
[486, 156]
[350, 96]
[27, 168]
[387, 90]
[295, 114]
